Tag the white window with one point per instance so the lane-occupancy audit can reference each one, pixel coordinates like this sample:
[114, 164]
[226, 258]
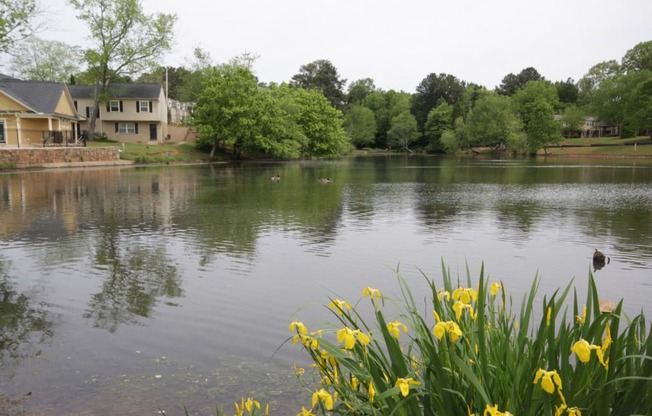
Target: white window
[127, 128]
[114, 105]
[143, 106]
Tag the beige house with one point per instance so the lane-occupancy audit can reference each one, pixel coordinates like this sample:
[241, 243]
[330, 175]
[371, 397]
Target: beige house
[34, 113]
[131, 113]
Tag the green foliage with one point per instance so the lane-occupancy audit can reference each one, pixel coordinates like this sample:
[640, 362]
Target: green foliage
[439, 120]
[639, 105]
[470, 352]
[434, 90]
[39, 59]
[567, 91]
[449, 141]
[359, 90]
[535, 105]
[403, 131]
[639, 58]
[594, 78]
[572, 121]
[16, 22]
[493, 122]
[512, 83]
[360, 125]
[323, 76]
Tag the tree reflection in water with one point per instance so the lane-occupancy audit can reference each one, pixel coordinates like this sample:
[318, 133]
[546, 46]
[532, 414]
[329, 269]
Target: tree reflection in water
[138, 276]
[24, 324]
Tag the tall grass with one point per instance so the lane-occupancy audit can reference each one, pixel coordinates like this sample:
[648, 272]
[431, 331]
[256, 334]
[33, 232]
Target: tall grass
[468, 351]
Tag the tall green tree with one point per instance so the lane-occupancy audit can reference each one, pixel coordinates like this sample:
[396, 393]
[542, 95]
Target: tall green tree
[439, 120]
[493, 122]
[638, 58]
[403, 131]
[567, 91]
[434, 90]
[536, 105]
[234, 111]
[360, 125]
[17, 22]
[39, 59]
[593, 79]
[512, 83]
[126, 41]
[572, 121]
[639, 107]
[323, 76]
[359, 90]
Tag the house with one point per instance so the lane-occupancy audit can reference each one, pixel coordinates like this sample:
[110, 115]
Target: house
[180, 111]
[131, 113]
[36, 113]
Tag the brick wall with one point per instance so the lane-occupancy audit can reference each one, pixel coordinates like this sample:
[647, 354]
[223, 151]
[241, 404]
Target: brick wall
[42, 156]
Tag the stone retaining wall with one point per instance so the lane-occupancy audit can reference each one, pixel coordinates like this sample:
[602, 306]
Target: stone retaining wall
[34, 157]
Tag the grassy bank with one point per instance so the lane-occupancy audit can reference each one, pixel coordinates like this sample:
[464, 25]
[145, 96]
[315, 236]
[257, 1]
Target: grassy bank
[159, 153]
[603, 147]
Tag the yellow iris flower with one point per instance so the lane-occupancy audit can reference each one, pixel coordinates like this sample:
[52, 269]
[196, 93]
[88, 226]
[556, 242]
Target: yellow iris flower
[305, 412]
[395, 328]
[372, 391]
[324, 398]
[449, 327]
[495, 287]
[404, 385]
[580, 319]
[493, 411]
[347, 336]
[465, 294]
[371, 293]
[339, 306]
[548, 380]
[247, 405]
[298, 327]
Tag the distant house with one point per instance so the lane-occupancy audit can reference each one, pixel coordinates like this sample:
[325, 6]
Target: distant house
[35, 113]
[132, 113]
[592, 128]
[180, 111]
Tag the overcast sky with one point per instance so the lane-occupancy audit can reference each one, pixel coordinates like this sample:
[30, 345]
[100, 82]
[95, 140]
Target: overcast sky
[397, 43]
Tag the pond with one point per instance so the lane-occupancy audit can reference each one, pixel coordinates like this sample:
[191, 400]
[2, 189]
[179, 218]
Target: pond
[136, 290]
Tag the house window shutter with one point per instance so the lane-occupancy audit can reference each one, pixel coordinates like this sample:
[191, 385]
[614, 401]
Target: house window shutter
[150, 106]
[75, 104]
[116, 127]
[108, 107]
[98, 112]
[121, 106]
[88, 112]
[138, 106]
[136, 125]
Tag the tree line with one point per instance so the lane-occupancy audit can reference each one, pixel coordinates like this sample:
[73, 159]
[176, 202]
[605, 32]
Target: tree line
[312, 114]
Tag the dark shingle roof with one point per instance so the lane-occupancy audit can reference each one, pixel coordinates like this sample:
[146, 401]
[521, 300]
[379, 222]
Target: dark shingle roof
[39, 96]
[133, 91]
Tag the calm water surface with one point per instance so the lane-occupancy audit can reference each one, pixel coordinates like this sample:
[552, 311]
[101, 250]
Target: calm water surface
[123, 291]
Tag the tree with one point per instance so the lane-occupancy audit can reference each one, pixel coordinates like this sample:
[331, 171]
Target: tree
[512, 83]
[572, 121]
[439, 120]
[232, 109]
[567, 91]
[16, 22]
[595, 76]
[176, 77]
[535, 105]
[493, 122]
[126, 41]
[37, 59]
[359, 90]
[322, 75]
[360, 125]
[403, 131]
[638, 58]
[433, 91]
[639, 106]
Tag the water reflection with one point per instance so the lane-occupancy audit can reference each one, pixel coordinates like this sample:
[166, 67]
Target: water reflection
[25, 323]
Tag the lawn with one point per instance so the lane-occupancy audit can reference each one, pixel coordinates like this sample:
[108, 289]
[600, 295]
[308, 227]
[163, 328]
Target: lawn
[604, 146]
[157, 153]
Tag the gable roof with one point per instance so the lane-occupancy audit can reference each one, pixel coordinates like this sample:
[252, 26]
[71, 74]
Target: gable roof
[125, 91]
[38, 96]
